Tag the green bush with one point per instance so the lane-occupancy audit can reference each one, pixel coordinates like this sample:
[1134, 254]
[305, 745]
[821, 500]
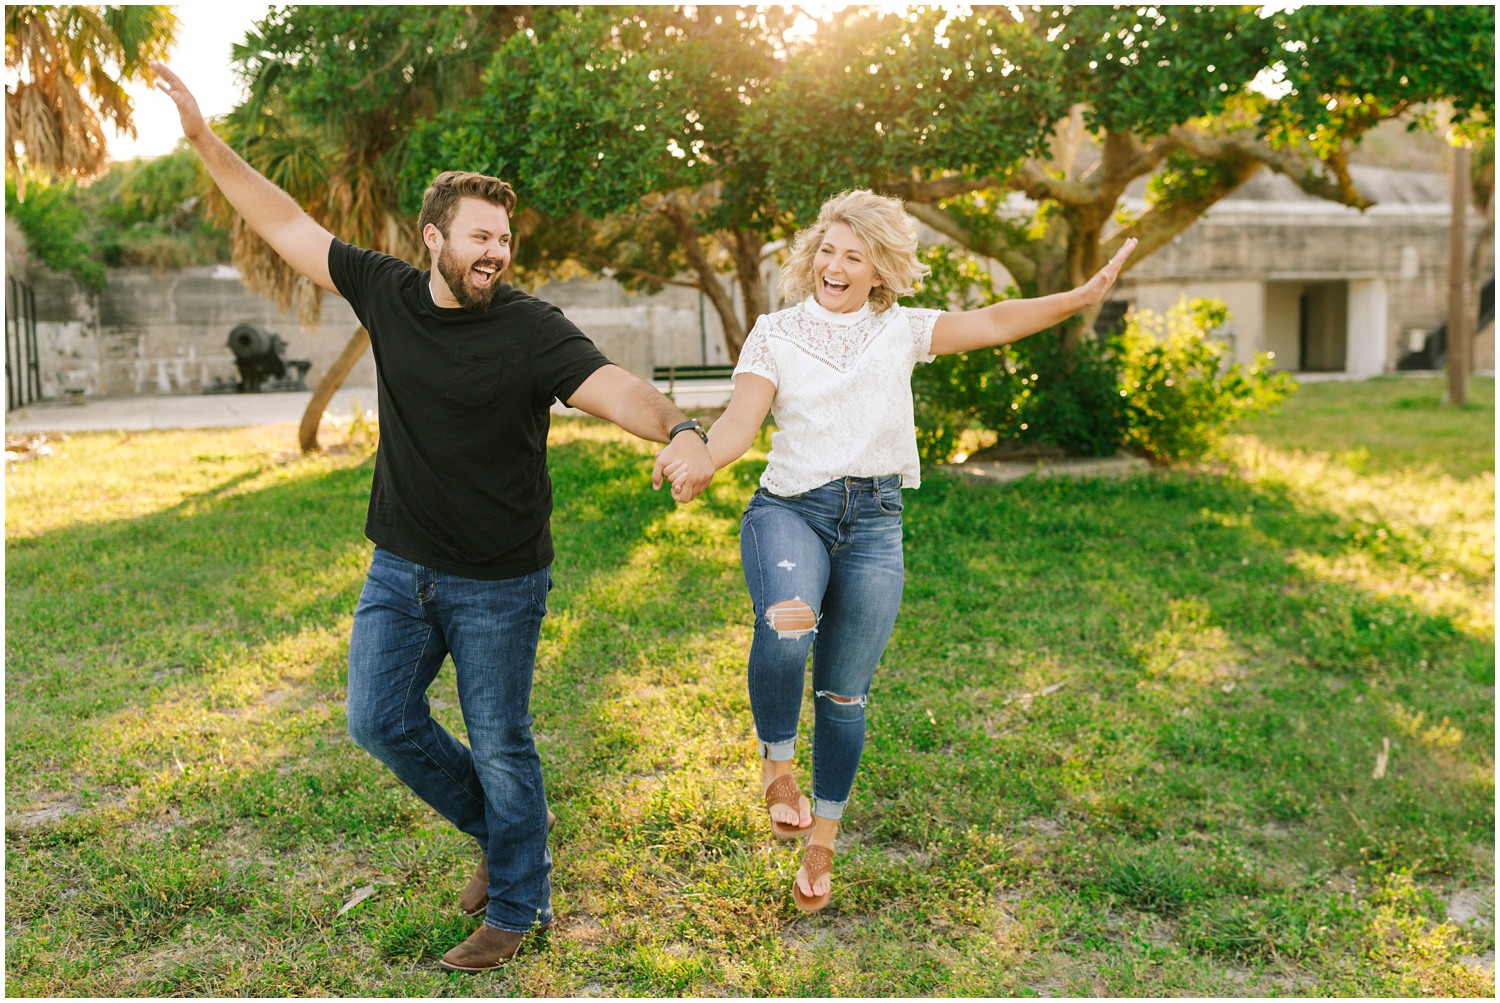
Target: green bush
[141, 213]
[967, 390]
[56, 227]
[1158, 387]
[1178, 398]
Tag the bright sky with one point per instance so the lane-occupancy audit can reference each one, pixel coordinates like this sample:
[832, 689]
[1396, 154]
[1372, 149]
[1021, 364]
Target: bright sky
[204, 37]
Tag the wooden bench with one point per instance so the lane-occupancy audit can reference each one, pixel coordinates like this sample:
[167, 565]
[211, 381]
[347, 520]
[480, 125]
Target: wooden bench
[673, 373]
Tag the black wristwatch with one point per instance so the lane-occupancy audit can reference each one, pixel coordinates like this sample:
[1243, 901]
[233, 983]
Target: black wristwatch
[683, 426]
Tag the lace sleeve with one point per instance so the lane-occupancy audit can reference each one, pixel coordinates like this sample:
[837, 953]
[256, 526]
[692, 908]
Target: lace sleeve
[755, 356]
[922, 322]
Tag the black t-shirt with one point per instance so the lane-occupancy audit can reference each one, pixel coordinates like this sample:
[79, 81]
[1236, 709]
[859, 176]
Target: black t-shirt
[461, 480]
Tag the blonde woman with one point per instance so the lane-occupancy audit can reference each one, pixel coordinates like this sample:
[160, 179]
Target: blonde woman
[820, 541]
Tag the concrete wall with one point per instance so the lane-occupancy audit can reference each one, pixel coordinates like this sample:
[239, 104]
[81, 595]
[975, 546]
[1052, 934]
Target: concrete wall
[674, 326]
[152, 332]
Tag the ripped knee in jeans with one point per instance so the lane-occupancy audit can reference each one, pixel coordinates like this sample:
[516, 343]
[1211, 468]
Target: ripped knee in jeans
[792, 618]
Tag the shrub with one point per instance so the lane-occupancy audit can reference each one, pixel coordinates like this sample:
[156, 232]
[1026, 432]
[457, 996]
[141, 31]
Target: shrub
[1178, 398]
[141, 213]
[1158, 387]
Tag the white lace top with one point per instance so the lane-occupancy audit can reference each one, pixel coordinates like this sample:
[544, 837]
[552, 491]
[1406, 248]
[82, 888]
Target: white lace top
[843, 392]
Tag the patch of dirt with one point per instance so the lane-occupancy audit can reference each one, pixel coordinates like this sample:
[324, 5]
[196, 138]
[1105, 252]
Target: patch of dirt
[21, 448]
[1043, 827]
[40, 816]
[1472, 905]
[1474, 909]
[819, 930]
[585, 930]
[913, 858]
[53, 810]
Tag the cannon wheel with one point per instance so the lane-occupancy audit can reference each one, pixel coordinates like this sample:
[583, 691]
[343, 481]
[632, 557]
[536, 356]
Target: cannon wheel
[307, 434]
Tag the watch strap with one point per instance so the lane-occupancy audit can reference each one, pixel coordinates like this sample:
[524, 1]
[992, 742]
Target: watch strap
[683, 426]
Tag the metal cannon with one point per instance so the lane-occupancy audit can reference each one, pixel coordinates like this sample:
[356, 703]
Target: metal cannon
[262, 362]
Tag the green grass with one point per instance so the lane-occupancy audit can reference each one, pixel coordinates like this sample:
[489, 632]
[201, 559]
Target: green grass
[1124, 741]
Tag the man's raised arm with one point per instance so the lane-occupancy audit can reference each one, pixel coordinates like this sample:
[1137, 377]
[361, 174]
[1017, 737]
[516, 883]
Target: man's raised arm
[271, 212]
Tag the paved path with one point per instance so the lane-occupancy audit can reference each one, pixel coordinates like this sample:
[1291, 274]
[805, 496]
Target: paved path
[989, 472]
[135, 414]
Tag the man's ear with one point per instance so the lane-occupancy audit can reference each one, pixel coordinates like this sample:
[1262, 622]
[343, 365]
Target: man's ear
[432, 238]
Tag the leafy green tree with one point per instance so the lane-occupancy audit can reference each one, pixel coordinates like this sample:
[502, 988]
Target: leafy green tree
[53, 222]
[1191, 100]
[678, 145]
[66, 73]
[334, 91]
[624, 127]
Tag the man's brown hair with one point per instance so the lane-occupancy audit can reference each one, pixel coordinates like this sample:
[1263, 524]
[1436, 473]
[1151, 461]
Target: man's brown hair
[440, 201]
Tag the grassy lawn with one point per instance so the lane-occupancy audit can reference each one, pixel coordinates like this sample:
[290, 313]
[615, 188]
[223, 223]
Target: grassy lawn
[1222, 731]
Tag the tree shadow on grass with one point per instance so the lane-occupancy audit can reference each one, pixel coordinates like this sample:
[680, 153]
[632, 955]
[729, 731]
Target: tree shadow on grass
[1154, 656]
[1210, 683]
[199, 604]
[208, 604]
[1193, 665]
[187, 668]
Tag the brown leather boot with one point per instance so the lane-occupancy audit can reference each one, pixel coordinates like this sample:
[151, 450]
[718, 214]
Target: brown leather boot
[475, 897]
[487, 948]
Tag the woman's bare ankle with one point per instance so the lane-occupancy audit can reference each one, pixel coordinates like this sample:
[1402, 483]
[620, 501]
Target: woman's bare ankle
[824, 831]
[771, 769]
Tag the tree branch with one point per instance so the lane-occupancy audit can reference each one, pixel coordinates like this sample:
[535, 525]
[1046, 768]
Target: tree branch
[1300, 169]
[605, 262]
[1021, 267]
[692, 246]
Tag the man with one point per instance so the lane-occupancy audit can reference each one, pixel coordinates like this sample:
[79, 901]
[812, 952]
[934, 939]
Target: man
[459, 508]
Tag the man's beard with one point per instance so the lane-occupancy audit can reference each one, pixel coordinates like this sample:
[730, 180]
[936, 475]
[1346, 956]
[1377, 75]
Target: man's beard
[470, 297]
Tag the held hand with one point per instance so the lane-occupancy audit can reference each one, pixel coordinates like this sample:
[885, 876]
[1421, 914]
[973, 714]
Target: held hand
[682, 482]
[1095, 289]
[686, 463]
[172, 86]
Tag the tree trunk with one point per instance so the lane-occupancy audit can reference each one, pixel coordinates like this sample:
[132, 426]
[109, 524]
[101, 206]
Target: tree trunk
[1460, 318]
[708, 276]
[757, 297]
[307, 434]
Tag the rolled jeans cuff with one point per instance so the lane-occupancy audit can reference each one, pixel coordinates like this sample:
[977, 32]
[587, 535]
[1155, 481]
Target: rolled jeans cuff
[779, 752]
[830, 810]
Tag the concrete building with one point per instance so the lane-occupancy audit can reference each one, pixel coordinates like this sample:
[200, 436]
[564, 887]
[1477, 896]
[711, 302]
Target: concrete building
[1326, 288]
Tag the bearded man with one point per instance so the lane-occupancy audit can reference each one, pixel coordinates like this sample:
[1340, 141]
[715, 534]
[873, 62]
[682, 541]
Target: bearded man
[460, 506]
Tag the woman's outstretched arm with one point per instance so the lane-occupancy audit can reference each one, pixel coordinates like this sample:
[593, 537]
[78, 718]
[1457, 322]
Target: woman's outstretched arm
[1012, 320]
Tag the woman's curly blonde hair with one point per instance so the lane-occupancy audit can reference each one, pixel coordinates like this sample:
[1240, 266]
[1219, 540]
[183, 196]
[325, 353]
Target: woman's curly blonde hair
[881, 224]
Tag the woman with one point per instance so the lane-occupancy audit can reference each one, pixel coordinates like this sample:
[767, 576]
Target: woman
[821, 539]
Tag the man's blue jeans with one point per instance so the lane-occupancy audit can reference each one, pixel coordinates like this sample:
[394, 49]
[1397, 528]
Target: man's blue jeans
[836, 548]
[409, 618]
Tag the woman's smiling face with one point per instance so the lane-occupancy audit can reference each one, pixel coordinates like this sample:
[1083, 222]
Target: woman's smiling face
[842, 273]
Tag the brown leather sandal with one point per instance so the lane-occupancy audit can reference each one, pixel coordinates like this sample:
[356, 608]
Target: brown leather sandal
[817, 861]
[784, 791]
